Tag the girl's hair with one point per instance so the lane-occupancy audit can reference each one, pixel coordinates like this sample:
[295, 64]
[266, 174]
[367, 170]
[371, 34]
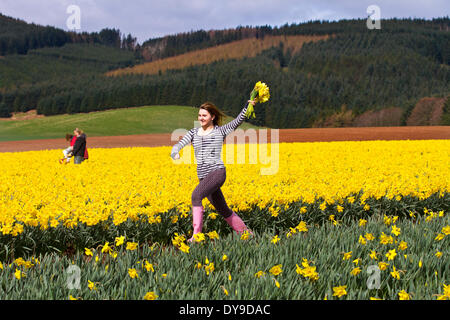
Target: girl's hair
[69, 136]
[213, 110]
[78, 130]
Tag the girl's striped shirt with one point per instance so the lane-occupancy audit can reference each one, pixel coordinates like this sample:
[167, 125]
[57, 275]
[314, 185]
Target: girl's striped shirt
[208, 148]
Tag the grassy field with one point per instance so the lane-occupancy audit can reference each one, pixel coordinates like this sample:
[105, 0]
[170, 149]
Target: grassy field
[244, 269]
[127, 121]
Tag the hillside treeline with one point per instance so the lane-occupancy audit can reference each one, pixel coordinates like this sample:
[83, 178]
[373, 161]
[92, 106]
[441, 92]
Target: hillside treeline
[80, 60]
[371, 69]
[171, 45]
[18, 37]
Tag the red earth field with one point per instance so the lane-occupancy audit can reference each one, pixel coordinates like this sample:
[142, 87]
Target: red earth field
[285, 135]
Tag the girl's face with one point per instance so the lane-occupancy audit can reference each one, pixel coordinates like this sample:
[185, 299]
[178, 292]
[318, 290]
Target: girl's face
[205, 118]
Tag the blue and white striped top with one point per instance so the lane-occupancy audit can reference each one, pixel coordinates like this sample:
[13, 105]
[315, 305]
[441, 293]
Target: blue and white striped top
[208, 148]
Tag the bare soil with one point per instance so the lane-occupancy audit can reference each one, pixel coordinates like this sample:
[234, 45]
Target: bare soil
[285, 135]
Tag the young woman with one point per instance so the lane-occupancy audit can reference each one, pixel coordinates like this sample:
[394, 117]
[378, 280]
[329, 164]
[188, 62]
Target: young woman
[207, 141]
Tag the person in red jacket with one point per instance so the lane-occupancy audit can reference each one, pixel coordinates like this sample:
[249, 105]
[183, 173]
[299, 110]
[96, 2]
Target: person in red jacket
[86, 155]
[67, 152]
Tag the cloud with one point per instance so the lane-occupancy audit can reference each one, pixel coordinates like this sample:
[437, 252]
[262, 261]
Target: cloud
[146, 19]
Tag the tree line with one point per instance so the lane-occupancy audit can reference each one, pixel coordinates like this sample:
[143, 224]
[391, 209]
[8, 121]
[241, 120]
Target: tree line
[361, 71]
[18, 37]
[358, 70]
[171, 45]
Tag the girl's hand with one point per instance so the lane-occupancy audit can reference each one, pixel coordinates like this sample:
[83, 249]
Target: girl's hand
[253, 102]
[176, 156]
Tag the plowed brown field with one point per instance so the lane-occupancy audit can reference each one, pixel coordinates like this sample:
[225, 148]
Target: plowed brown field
[285, 135]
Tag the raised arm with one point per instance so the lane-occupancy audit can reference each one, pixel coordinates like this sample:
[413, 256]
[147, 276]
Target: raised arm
[226, 129]
[182, 143]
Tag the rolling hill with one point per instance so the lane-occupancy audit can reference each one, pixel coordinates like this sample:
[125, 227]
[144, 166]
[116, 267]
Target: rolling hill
[233, 50]
[355, 77]
[69, 60]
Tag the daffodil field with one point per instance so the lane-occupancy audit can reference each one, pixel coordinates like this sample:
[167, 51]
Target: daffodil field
[339, 220]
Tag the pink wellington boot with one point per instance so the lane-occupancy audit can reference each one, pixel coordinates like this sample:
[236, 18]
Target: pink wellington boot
[197, 221]
[237, 224]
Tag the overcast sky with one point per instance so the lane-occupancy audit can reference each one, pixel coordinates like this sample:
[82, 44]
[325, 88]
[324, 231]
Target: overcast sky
[146, 19]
